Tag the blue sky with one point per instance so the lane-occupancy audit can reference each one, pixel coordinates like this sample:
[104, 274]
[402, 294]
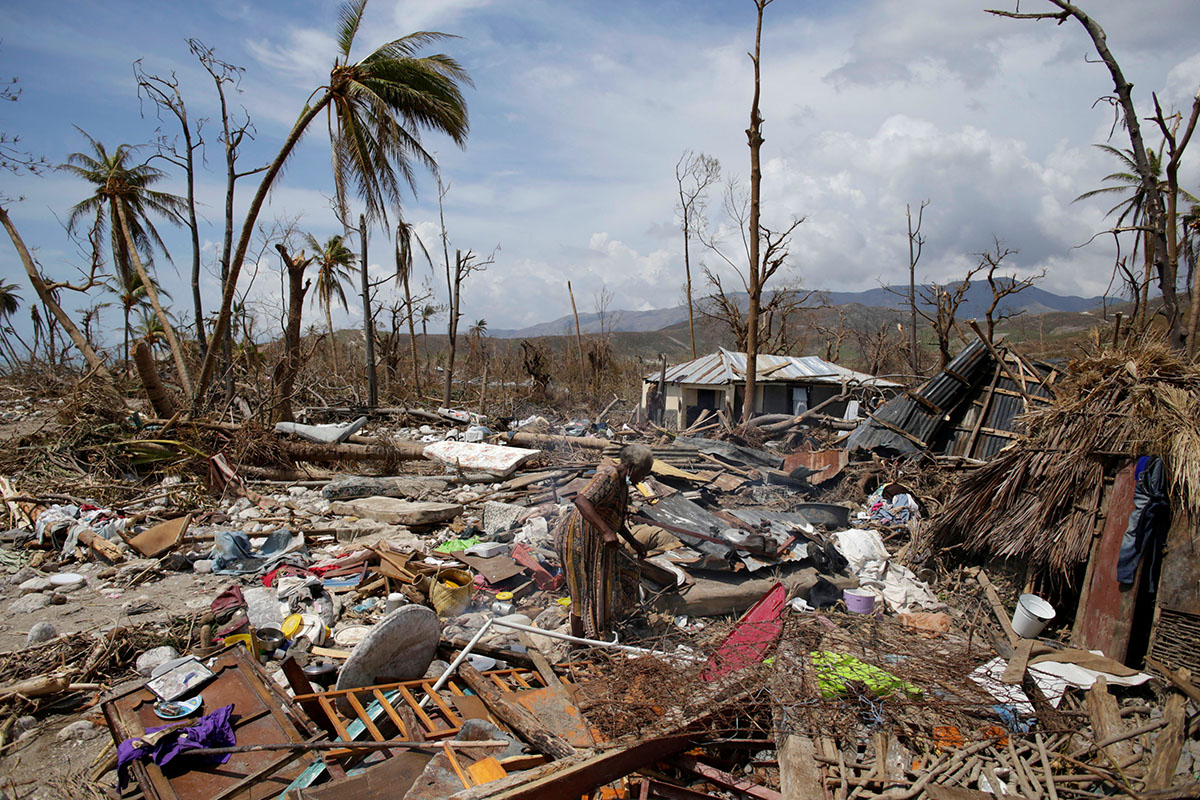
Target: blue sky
[581, 109]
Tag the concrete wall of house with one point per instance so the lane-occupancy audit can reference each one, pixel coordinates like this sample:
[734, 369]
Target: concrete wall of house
[770, 397]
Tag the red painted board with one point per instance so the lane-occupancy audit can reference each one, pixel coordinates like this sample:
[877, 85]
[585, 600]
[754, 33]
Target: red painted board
[751, 637]
[1107, 620]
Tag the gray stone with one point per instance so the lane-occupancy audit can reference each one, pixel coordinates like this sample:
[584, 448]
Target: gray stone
[203, 566]
[500, 516]
[40, 632]
[399, 648]
[21, 575]
[35, 585]
[29, 603]
[397, 512]
[78, 731]
[23, 724]
[410, 488]
[482, 730]
[152, 658]
[436, 668]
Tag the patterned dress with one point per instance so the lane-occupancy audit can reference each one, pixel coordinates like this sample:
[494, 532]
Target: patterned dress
[600, 579]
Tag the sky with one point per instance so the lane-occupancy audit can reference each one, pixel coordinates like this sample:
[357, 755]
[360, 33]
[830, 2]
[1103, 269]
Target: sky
[580, 111]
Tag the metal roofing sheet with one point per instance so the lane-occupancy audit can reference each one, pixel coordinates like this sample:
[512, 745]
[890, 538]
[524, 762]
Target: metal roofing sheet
[725, 366]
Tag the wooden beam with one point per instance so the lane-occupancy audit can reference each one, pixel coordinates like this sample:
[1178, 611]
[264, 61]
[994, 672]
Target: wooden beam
[523, 723]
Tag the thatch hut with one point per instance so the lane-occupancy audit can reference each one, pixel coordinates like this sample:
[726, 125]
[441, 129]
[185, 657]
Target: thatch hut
[1059, 501]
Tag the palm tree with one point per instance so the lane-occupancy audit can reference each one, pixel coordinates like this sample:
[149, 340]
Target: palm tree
[150, 330]
[377, 108]
[10, 303]
[335, 267]
[1132, 209]
[123, 202]
[406, 234]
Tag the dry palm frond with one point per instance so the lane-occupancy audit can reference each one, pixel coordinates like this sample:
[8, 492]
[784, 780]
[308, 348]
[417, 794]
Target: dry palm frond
[1041, 500]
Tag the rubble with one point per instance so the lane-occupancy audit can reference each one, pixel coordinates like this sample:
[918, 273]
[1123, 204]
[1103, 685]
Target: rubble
[794, 634]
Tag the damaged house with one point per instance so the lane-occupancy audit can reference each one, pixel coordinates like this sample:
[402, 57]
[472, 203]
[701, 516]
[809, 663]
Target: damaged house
[790, 385]
[1061, 501]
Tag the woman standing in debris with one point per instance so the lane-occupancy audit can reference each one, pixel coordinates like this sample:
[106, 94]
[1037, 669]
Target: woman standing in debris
[587, 541]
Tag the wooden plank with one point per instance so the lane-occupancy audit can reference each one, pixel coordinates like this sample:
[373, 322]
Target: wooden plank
[722, 778]
[334, 720]
[391, 712]
[1168, 745]
[799, 775]
[1014, 673]
[516, 717]
[1106, 622]
[579, 775]
[486, 770]
[1105, 715]
[997, 607]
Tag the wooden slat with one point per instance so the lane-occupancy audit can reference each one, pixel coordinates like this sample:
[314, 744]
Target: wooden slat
[420, 712]
[333, 717]
[391, 712]
[364, 717]
[451, 718]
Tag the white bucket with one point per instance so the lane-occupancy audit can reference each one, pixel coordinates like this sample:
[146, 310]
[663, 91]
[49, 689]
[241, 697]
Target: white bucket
[1031, 615]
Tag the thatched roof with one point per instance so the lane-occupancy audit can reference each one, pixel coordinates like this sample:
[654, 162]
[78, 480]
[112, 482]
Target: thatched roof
[1040, 499]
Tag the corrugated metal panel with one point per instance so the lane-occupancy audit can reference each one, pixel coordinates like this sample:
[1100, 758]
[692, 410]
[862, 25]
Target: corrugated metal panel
[725, 366]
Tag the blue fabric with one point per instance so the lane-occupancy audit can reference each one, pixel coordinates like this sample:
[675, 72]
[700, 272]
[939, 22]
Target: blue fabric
[1148, 522]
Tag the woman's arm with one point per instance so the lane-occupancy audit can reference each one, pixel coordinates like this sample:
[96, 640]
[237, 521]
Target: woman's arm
[588, 510]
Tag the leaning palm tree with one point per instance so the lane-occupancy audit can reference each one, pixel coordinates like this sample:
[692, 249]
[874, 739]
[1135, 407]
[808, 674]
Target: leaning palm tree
[377, 107]
[10, 303]
[335, 267]
[122, 203]
[1132, 209]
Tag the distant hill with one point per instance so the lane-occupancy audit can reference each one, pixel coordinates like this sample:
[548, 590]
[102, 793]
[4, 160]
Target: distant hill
[1033, 300]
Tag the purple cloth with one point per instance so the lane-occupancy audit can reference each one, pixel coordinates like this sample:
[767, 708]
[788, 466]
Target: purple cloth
[211, 730]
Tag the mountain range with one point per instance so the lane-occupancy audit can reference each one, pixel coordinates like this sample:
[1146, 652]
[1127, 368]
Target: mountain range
[1032, 300]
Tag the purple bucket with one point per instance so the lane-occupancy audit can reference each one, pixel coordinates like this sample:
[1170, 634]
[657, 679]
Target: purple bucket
[858, 602]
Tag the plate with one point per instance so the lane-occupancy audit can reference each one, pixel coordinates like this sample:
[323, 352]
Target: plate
[179, 709]
[351, 635]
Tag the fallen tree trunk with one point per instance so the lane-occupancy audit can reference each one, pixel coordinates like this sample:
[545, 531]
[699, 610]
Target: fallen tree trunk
[547, 439]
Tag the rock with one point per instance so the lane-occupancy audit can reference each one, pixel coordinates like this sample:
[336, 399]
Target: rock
[203, 566]
[436, 669]
[482, 730]
[106, 573]
[24, 724]
[29, 603]
[21, 575]
[35, 585]
[400, 648]
[152, 658]
[409, 488]
[58, 599]
[397, 512]
[40, 632]
[78, 731]
[500, 516]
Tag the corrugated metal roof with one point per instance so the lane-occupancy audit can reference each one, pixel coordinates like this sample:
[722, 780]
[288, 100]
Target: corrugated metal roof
[725, 366]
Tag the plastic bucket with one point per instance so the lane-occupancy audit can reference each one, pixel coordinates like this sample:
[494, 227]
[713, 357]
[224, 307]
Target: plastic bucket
[1031, 615]
[858, 602]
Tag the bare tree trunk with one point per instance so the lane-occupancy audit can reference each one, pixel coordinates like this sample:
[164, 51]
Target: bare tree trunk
[755, 140]
[452, 328]
[283, 378]
[578, 335]
[152, 293]
[94, 362]
[329, 339]
[243, 244]
[412, 337]
[194, 227]
[160, 400]
[368, 320]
